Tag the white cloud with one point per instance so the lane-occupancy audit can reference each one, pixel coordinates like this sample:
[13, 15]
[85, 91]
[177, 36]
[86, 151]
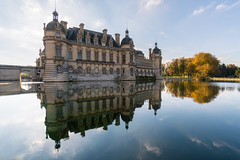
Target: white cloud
[153, 149]
[198, 141]
[202, 9]
[150, 3]
[220, 6]
[227, 7]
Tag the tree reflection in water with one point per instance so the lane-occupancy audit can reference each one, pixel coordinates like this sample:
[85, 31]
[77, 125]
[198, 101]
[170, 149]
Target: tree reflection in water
[201, 92]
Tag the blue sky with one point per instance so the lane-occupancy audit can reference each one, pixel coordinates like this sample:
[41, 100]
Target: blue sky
[181, 28]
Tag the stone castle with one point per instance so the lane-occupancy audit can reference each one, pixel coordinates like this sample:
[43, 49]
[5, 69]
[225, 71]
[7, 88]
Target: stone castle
[78, 54]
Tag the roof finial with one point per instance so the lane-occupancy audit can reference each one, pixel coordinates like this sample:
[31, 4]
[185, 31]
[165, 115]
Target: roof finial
[55, 4]
[155, 44]
[55, 14]
[127, 32]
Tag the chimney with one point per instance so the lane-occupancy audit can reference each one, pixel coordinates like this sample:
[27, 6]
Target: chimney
[81, 26]
[117, 38]
[105, 34]
[64, 23]
[150, 53]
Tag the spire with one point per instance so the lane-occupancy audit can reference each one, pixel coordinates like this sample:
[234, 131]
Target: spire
[127, 33]
[155, 44]
[55, 14]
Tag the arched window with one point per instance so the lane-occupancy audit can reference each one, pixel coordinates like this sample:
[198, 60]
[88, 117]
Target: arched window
[88, 70]
[118, 71]
[111, 70]
[131, 71]
[59, 69]
[80, 70]
[104, 70]
[96, 70]
[70, 69]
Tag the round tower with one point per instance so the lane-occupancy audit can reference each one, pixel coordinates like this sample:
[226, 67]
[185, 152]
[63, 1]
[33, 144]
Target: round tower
[55, 50]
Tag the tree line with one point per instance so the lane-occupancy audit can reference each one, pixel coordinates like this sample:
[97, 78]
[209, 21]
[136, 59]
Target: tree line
[202, 65]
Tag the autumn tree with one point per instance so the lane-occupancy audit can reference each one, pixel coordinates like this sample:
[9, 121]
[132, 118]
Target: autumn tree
[206, 65]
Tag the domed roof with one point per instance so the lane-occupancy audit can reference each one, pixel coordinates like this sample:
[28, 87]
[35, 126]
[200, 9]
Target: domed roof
[53, 24]
[156, 50]
[126, 40]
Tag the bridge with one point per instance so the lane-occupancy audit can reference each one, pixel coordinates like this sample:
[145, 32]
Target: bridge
[20, 73]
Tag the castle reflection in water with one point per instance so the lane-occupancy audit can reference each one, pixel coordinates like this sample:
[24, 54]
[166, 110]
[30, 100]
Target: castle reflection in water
[78, 107]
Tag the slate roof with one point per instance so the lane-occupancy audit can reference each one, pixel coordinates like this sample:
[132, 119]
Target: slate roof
[72, 35]
[139, 52]
[156, 50]
[53, 24]
[126, 40]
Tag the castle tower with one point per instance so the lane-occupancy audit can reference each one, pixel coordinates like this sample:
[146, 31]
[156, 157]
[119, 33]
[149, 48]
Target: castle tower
[128, 58]
[55, 50]
[156, 57]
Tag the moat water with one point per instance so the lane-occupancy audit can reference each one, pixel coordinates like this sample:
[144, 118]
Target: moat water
[163, 120]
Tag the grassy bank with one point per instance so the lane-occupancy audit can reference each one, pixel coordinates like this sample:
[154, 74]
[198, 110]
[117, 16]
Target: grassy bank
[223, 79]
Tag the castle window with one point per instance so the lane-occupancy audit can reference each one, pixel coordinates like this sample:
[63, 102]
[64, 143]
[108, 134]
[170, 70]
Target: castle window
[58, 33]
[103, 44]
[123, 101]
[111, 57]
[58, 51]
[118, 71]
[96, 70]
[88, 41]
[79, 39]
[111, 103]
[123, 59]
[88, 70]
[97, 105]
[131, 58]
[111, 70]
[59, 69]
[59, 93]
[104, 71]
[70, 69]
[104, 56]
[96, 42]
[88, 55]
[80, 106]
[104, 103]
[70, 55]
[88, 106]
[80, 70]
[118, 60]
[80, 54]
[110, 44]
[96, 56]
[131, 71]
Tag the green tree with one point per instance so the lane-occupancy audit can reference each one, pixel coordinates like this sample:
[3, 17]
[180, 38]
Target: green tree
[182, 66]
[237, 72]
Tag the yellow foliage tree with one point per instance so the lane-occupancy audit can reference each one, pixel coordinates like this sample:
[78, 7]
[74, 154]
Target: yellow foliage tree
[206, 65]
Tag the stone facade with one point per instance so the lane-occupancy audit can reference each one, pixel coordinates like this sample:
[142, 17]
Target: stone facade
[78, 54]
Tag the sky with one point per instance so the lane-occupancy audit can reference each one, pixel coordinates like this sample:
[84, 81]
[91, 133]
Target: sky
[181, 28]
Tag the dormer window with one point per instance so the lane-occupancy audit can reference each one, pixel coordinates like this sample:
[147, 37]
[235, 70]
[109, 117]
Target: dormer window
[96, 42]
[79, 39]
[110, 44]
[103, 44]
[88, 41]
[58, 33]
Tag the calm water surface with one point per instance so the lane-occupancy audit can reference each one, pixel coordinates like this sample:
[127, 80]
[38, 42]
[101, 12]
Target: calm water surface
[162, 120]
